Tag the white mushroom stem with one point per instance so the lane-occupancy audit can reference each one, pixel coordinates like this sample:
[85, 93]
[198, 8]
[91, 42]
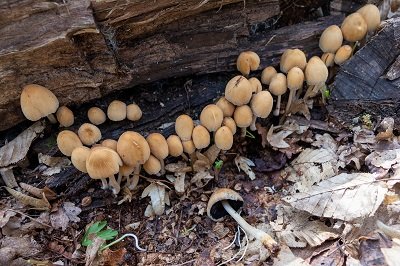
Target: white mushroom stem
[253, 123]
[290, 99]
[278, 106]
[309, 91]
[114, 184]
[162, 171]
[52, 118]
[104, 183]
[243, 131]
[260, 235]
[132, 183]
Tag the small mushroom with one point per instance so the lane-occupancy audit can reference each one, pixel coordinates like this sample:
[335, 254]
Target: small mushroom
[152, 166]
[354, 27]
[188, 147]
[67, 141]
[278, 87]
[255, 84]
[371, 15]
[158, 147]
[79, 156]
[331, 39]
[96, 116]
[110, 143]
[175, 146]
[328, 59]
[227, 107]
[316, 74]
[200, 137]
[116, 111]
[343, 54]
[211, 117]
[65, 116]
[133, 112]
[267, 74]
[291, 58]
[225, 201]
[89, 134]
[238, 91]
[126, 171]
[243, 117]
[295, 80]
[261, 105]
[223, 138]
[184, 127]
[37, 102]
[247, 61]
[230, 122]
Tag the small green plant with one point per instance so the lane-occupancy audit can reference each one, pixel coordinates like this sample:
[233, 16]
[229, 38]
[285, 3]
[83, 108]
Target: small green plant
[249, 135]
[326, 93]
[218, 164]
[98, 228]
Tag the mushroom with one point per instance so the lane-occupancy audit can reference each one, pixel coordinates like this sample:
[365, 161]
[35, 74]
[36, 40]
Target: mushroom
[223, 138]
[211, 117]
[158, 147]
[328, 59]
[227, 107]
[79, 156]
[89, 134]
[110, 143]
[247, 61]
[175, 146]
[255, 84]
[189, 148]
[152, 166]
[184, 127]
[133, 112]
[261, 105]
[116, 111]
[291, 58]
[126, 171]
[65, 116]
[67, 141]
[238, 91]
[343, 54]
[37, 102]
[316, 74]
[267, 75]
[278, 87]
[243, 117]
[354, 27]
[200, 137]
[104, 163]
[226, 201]
[295, 80]
[371, 15]
[96, 116]
[230, 122]
[331, 39]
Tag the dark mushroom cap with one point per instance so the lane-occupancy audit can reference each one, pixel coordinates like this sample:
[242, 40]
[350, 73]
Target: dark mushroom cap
[215, 210]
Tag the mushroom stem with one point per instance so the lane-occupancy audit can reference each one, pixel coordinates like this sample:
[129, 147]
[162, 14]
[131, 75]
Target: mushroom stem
[162, 171]
[309, 91]
[135, 179]
[104, 183]
[52, 118]
[243, 132]
[115, 186]
[278, 106]
[260, 235]
[253, 123]
[290, 99]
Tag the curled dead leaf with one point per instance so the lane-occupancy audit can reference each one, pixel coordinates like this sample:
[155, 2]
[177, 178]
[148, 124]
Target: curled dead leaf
[40, 204]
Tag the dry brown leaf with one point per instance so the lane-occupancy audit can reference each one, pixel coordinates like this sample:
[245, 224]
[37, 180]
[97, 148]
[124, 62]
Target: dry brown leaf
[113, 257]
[8, 177]
[91, 251]
[263, 132]
[64, 215]
[41, 204]
[276, 140]
[212, 153]
[243, 163]
[201, 179]
[287, 258]
[178, 167]
[301, 107]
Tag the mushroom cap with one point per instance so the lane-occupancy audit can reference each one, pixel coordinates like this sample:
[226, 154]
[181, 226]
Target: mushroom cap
[278, 85]
[215, 210]
[67, 141]
[152, 166]
[201, 137]
[261, 104]
[65, 116]
[96, 116]
[371, 15]
[227, 107]
[133, 148]
[126, 170]
[158, 145]
[354, 27]
[89, 134]
[295, 78]
[247, 61]
[79, 156]
[116, 111]
[343, 54]
[267, 75]
[243, 116]
[133, 112]
[291, 58]
[184, 127]
[103, 163]
[188, 146]
[37, 102]
[255, 84]
[328, 59]
[110, 143]
[331, 39]
[223, 138]
[238, 91]
[211, 117]
[175, 146]
[229, 122]
[316, 71]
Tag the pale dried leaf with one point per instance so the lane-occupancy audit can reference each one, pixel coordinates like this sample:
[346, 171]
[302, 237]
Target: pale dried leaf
[8, 177]
[325, 141]
[301, 107]
[178, 167]
[390, 231]
[179, 183]
[363, 136]
[65, 214]
[392, 254]
[383, 159]
[315, 156]
[276, 140]
[53, 161]
[91, 251]
[156, 193]
[287, 258]
[5, 217]
[350, 153]
[243, 163]
[149, 212]
[201, 179]
[350, 261]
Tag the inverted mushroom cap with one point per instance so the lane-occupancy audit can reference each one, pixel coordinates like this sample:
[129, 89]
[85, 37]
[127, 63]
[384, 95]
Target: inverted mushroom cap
[96, 116]
[354, 27]
[184, 127]
[247, 61]
[67, 141]
[133, 112]
[291, 58]
[267, 75]
[328, 59]
[89, 134]
[175, 146]
[158, 145]
[238, 90]
[278, 85]
[316, 71]
[211, 117]
[79, 156]
[37, 102]
[223, 138]
[133, 148]
[215, 210]
[343, 54]
[261, 104]
[65, 116]
[116, 111]
[371, 15]
[243, 116]
[226, 106]
[152, 166]
[110, 143]
[229, 122]
[255, 84]
[201, 137]
[188, 146]
[103, 163]
[331, 39]
[295, 78]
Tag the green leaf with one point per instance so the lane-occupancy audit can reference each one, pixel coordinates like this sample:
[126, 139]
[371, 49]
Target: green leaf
[93, 229]
[218, 164]
[86, 242]
[107, 234]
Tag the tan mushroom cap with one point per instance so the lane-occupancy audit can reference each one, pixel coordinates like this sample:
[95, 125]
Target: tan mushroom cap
[184, 127]
[331, 39]
[89, 134]
[103, 163]
[223, 138]
[316, 71]
[65, 116]
[116, 111]
[37, 102]
[133, 112]
[229, 122]
[227, 107]
[343, 54]
[201, 137]
[211, 117]
[278, 84]
[295, 78]
[267, 75]
[215, 210]
[261, 104]
[238, 91]
[247, 61]
[67, 141]
[79, 156]
[158, 145]
[96, 116]
[175, 146]
[328, 59]
[354, 27]
[256, 84]
[291, 58]
[371, 15]
[188, 146]
[126, 170]
[152, 166]
[110, 143]
[243, 116]
[133, 148]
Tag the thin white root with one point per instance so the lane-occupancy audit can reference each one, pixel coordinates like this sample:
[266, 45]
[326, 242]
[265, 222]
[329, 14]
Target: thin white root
[121, 238]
